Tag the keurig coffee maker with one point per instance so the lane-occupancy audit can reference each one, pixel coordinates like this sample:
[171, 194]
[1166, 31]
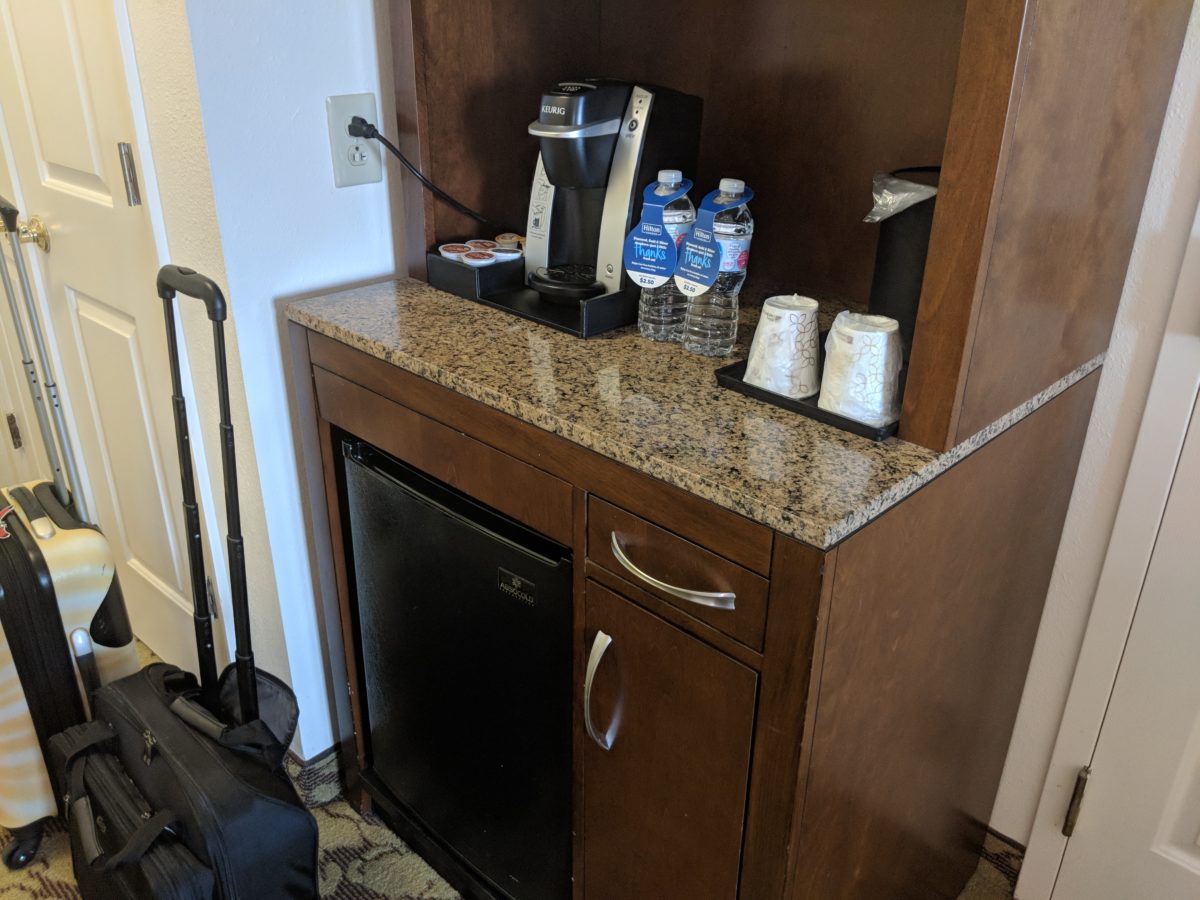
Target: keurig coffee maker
[601, 142]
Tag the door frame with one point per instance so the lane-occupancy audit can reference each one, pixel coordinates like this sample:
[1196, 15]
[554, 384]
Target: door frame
[1170, 406]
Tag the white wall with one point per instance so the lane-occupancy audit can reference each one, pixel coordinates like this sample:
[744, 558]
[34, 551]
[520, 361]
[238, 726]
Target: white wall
[263, 70]
[1124, 384]
[273, 226]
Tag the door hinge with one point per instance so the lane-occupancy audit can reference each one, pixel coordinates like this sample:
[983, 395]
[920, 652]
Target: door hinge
[133, 193]
[14, 431]
[1072, 817]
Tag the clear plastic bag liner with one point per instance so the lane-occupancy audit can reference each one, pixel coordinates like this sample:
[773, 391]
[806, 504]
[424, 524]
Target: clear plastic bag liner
[894, 195]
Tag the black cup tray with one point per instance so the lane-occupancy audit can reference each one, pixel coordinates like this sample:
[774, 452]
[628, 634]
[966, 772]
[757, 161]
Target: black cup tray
[732, 377]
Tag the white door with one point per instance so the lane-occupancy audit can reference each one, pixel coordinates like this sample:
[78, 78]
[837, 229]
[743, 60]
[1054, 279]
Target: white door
[1138, 834]
[64, 106]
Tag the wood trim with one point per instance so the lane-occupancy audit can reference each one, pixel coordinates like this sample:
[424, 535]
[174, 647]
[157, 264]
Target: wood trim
[350, 643]
[412, 131]
[793, 626]
[516, 489]
[579, 653]
[984, 106]
[733, 536]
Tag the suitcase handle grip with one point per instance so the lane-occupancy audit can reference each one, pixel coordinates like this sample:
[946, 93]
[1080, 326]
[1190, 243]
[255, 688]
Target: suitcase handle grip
[199, 718]
[190, 283]
[8, 212]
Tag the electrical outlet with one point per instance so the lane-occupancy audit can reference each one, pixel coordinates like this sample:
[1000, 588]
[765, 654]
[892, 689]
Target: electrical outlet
[355, 160]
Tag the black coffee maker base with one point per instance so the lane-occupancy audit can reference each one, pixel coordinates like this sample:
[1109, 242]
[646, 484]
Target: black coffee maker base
[504, 289]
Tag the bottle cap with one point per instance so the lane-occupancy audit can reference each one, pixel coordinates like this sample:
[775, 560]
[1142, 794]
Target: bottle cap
[733, 186]
[670, 176]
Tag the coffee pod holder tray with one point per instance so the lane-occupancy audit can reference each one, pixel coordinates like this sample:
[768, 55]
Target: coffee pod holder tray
[733, 377]
[502, 286]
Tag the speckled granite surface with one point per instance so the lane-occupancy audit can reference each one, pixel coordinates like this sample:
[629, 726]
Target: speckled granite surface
[654, 407]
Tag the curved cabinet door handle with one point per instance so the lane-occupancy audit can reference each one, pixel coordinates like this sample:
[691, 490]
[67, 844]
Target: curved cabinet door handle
[604, 740]
[713, 599]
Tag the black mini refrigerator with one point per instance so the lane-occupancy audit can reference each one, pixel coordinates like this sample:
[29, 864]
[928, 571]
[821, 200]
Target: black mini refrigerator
[464, 619]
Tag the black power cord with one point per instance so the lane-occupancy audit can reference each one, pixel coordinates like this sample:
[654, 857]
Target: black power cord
[360, 127]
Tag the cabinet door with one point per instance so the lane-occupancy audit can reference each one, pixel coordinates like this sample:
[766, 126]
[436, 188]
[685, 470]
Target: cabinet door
[665, 802]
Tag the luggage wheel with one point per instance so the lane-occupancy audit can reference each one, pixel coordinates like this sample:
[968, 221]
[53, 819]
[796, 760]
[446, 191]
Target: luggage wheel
[21, 850]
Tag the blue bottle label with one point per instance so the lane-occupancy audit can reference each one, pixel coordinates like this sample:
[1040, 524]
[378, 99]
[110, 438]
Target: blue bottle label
[650, 252]
[701, 254]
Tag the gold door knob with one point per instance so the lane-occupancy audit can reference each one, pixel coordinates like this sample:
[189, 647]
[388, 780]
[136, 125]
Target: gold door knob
[34, 232]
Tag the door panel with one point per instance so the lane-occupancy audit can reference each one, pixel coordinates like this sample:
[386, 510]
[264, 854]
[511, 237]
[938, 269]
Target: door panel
[59, 109]
[1138, 833]
[108, 342]
[664, 807]
[65, 107]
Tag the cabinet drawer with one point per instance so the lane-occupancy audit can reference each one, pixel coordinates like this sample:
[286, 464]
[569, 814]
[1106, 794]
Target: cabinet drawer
[679, 572]
[515, 488]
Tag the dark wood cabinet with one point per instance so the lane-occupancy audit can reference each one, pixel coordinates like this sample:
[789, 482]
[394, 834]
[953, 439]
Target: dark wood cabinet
[841, 733]
[663, 805]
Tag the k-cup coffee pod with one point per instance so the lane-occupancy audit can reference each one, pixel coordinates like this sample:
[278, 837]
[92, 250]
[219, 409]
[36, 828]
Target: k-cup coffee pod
[453, 251]
[480, 244]
[509, 239]
[504, 254]
[479, 258]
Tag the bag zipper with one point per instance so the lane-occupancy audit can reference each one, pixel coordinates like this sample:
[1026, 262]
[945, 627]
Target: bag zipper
[216, 849]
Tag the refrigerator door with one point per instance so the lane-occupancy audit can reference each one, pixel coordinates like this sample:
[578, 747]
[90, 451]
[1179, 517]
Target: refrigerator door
[465, 623]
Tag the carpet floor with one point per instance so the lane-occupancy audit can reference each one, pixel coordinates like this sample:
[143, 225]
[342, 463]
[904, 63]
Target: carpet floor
[361, 859]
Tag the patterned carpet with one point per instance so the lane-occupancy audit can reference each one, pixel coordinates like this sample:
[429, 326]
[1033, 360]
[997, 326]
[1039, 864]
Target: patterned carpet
[362, 860]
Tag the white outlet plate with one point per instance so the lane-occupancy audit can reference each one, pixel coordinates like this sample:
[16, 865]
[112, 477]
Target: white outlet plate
[355, 160]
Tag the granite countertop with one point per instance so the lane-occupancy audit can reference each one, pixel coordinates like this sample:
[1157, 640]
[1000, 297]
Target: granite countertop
[654, 407]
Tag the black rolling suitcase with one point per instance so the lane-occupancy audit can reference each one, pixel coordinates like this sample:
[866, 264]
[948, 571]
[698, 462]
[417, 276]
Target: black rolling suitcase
[201, 761]
[62, 615]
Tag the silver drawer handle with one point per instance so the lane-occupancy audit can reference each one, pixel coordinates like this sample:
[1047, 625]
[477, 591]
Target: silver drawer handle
[604, 741]
[715, 599]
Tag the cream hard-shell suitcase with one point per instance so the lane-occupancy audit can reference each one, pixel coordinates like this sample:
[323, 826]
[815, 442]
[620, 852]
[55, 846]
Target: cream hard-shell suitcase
[64, 629]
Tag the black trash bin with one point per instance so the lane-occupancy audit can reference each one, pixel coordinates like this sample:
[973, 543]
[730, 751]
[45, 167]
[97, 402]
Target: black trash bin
[900, 257]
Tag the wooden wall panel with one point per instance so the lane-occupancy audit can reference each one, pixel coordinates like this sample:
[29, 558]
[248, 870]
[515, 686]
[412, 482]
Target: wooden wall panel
[479, 67]
[804, 100]
[961, 237]
[932, 622]
[1098, 78]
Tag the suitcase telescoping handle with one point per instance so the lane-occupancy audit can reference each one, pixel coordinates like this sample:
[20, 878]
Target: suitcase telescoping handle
[66, 484]
[174, 280]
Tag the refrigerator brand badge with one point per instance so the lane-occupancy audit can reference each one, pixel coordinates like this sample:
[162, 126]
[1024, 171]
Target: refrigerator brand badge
[517, 587]
[4, 532]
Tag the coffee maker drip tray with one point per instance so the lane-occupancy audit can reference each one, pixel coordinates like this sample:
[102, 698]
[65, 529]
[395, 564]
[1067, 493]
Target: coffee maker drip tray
[566, 283]
[502, 286]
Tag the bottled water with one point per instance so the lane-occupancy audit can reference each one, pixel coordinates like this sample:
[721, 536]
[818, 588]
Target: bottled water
[710, 324]
[661, 309]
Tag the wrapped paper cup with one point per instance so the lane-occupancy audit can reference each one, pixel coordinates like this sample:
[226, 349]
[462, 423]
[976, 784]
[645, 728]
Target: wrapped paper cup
[783, 355]
[862, 369]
